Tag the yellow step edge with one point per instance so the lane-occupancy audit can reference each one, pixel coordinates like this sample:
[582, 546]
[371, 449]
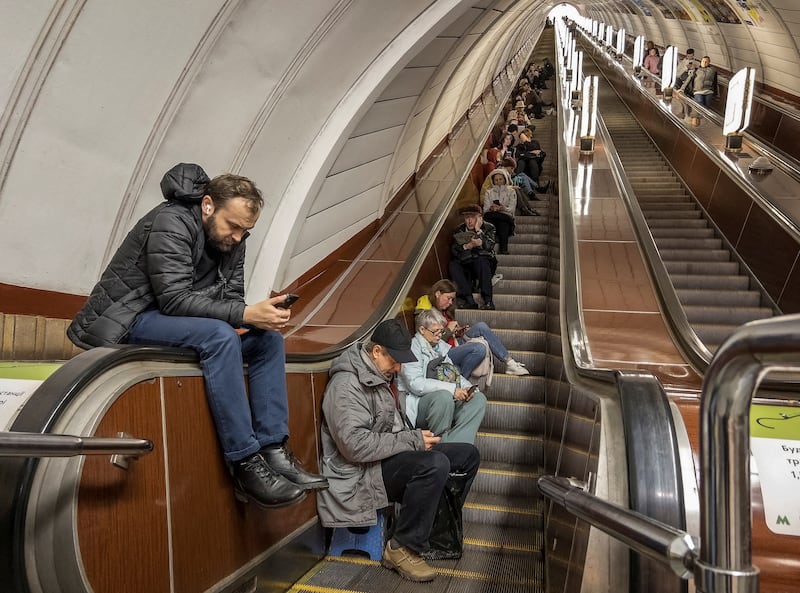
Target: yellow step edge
[500, 509]
[480, 543]
[513, 437]
[503, 472]
[451, 572]
[515, 404]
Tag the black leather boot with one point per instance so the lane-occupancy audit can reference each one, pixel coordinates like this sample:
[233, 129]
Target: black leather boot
[256, 481]
[282, 461]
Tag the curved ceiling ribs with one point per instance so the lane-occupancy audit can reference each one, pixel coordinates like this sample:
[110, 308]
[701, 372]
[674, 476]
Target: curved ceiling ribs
[330, 106]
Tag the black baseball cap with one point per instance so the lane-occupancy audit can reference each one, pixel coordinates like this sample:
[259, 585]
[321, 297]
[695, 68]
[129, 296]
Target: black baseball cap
[394, 337]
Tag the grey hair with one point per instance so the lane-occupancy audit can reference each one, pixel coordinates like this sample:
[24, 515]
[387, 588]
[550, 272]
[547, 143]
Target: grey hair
[429, 317]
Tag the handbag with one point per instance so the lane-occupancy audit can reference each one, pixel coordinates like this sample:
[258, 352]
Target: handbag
[446, 540]
[442, 371]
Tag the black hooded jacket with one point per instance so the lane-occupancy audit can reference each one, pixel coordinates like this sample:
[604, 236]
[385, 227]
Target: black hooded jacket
[155, 268]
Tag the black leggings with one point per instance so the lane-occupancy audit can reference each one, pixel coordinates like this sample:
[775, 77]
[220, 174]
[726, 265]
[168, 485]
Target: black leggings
[504, 225]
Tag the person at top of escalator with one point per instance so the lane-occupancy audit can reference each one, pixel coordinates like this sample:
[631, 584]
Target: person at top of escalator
[704, 86]
[178, 280]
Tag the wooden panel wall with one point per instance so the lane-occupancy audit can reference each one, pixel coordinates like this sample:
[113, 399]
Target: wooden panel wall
[122, 515]
[33, 337]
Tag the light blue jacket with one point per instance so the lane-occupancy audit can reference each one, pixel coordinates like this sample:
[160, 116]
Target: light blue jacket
[413, 379]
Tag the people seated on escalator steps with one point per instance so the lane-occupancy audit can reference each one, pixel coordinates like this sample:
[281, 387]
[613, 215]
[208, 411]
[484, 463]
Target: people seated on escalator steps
[372, 456]
[438, 392]
[517, 116]
[472, 257]
[499, 207]
[442, 297]
[522, 184]
[178, 280]
[530, 156]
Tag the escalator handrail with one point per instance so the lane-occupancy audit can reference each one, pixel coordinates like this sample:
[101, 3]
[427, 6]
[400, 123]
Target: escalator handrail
[730, 383]
[27, 444]
[575, 342]
[645, 535]
[693, 348]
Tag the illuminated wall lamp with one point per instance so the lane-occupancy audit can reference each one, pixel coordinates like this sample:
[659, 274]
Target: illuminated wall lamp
[638, 54]
[669, 70]
[577, 80]
[620, 43]
[738, 108]
[588, 115]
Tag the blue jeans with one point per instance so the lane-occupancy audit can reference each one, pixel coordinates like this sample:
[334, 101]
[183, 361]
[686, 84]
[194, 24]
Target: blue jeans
[704, 100]
[484, 331]
[524, 182]
[467, 357]
[244, 425]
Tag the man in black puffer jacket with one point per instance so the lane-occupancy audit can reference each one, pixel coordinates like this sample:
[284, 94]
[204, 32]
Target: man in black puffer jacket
[178, 280]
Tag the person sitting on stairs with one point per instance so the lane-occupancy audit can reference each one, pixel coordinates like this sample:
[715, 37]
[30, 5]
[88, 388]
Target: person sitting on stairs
[439, 396]
[371, 456]
[442, 296]
[473, 258]
[499, 207]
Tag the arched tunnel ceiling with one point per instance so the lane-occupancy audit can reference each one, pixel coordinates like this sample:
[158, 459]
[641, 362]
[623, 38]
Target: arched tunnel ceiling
[329, 105]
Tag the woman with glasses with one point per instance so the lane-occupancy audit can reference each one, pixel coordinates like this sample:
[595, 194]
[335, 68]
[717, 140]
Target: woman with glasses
[442, 297]
[439, 397]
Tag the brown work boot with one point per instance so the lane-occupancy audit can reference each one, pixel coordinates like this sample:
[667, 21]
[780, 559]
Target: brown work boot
[407, 563]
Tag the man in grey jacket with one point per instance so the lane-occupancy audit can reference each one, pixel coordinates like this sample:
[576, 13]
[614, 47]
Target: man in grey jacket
[178, 280]
[371, 456]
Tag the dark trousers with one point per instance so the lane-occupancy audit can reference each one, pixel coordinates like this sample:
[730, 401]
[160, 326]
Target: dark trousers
[504, 225]
[462, 274]
[530, 166]
[415, 479]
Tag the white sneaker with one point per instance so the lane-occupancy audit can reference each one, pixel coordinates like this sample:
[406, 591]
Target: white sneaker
[516, 368]
[496, 278]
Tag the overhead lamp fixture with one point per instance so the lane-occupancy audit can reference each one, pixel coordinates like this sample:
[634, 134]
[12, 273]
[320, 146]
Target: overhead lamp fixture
[589, 115]
[571, 62]
[738, 108]
[609, 35]
[669, 70]
[620, 43]
[577, 79]
[638, 54]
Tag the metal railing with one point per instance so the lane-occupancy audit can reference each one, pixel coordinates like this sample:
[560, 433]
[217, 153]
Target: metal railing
[724, 561]
[28, 444]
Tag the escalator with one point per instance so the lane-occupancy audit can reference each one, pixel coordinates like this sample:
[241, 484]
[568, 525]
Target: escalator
[717, 291]
[504, 513]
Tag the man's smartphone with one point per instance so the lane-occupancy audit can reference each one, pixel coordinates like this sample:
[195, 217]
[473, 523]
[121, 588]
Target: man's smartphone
[290, 299]
[471, 390]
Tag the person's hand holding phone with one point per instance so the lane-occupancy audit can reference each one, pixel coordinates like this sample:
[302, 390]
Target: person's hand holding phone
[461, 394]
[471, 393]
[430, 439]
[288, 301]
[268, 314]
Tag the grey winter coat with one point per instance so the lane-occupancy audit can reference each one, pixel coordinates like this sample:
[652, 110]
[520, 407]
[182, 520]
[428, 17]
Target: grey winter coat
[155, 268]
[358, 417]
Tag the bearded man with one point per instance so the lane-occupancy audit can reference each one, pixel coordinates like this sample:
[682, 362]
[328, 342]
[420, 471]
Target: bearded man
[178, 280]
